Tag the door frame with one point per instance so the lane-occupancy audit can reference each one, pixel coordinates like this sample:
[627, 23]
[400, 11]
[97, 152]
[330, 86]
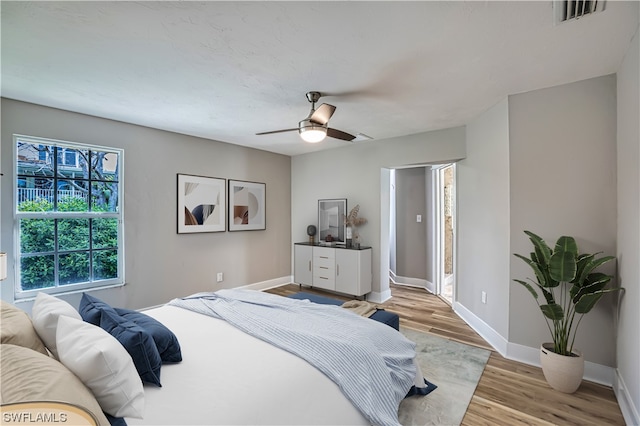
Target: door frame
[438, 229]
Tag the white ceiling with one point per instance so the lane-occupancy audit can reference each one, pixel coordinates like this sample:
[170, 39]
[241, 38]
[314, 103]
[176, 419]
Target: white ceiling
[227, 70]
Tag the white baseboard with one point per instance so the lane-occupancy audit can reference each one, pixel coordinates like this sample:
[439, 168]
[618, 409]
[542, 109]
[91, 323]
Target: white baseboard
[418, 282]
[628, 408]
[492, 337]
[379, 297]
[266, 285]
[593, 372]
[414, 282]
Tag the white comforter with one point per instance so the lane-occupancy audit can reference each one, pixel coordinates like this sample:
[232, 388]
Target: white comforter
[229, 377]
[372, 363]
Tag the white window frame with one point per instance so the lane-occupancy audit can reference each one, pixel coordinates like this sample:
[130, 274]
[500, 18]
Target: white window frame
[19, 293]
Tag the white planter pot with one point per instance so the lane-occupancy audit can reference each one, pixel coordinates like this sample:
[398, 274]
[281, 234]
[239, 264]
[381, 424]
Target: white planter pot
[563, 373]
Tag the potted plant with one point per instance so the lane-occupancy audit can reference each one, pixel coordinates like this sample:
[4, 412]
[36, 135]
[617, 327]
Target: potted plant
[570, 286]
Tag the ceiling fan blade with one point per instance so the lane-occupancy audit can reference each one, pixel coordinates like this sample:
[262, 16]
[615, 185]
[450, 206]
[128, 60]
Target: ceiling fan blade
[322, 114]
[277, 131]
[339, 134]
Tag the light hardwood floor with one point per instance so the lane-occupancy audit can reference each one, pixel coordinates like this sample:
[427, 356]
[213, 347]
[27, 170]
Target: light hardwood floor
[509, 392]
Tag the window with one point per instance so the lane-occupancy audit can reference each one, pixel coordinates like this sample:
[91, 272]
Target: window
[68, 213]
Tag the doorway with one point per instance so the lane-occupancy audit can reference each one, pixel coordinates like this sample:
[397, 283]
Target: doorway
[423, 254]
[446, 222]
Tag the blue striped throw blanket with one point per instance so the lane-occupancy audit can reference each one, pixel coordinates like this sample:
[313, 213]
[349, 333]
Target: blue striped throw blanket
[370, 362]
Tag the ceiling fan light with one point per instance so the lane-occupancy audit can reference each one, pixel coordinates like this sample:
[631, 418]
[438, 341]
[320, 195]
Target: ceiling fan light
[313, 136]
[311, 132]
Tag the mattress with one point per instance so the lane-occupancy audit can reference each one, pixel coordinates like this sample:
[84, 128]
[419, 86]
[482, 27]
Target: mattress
[228, 377]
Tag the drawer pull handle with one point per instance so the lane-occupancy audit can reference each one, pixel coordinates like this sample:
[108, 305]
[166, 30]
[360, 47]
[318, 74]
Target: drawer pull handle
[337, 269]
[324, 278]
[324, 257]
[323, 267]
[309, 265]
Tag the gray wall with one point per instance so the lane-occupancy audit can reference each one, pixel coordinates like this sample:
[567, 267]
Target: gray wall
[628, 250]
[411, 236]
[482, 186]
[354, 172]
[563, 182]
[160, 264]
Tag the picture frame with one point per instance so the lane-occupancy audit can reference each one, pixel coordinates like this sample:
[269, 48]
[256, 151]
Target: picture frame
[247, 206]
[201, 204]
[331, 214]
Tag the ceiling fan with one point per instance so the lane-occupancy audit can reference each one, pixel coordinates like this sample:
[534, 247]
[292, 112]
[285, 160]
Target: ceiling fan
[315, 128]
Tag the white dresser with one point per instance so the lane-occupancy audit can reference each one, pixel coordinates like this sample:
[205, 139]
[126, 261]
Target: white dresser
[344, 270]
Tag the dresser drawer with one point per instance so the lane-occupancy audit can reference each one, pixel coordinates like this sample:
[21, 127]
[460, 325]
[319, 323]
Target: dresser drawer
[324, 253]
[322, 279]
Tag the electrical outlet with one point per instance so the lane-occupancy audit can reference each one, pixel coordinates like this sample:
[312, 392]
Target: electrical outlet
[219, 277]
[419, 218]
[484, 297]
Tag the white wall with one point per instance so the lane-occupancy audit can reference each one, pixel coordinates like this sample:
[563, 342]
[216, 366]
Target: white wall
[563, 182]
[482, 185]
[628, 237]
[160, 264]
[354, 172]
[411, 236]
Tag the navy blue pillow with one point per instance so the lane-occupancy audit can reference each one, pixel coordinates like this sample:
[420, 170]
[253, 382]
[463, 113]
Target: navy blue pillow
[138, 343]
[91, 309]
[115, 421]
[166, 342]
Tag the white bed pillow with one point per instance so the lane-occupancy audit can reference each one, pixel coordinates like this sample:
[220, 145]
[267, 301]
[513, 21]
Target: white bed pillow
[103, 365]
[44, 315]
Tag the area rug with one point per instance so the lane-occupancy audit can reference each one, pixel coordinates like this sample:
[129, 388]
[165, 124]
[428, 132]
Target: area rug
[455, 368]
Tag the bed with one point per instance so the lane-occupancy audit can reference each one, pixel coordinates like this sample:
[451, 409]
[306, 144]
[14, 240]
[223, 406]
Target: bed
[228, 376]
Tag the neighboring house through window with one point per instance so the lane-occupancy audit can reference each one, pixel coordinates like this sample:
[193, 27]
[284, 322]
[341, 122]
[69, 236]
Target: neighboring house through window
[68, 210]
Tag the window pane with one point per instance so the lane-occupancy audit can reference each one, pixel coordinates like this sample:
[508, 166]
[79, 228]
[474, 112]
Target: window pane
[37, 272]
[73, 268]
[72, 196]
[36, 235]
[105, 233]
[35, 194]
[104, 165]
[73, 234]
[35, 159]
[105, 264]
[70, 157]
[104, 197]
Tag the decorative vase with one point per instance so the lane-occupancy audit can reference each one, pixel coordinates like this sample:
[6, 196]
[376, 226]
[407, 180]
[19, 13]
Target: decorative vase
[563, 373]
[348, 237]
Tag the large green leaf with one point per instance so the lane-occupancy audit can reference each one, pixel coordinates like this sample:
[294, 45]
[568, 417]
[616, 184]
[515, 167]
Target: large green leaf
[582, 261]
[594, 282]
[541, 247]
[528, 287]
[588, 301]
[562, 265]
[552, 311]
[591, 265]
[550, 282]
[536, 269]
[548, 296]
[565, 243]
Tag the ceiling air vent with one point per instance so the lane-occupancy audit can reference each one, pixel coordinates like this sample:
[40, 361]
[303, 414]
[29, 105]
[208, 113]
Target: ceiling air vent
[568, 10]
